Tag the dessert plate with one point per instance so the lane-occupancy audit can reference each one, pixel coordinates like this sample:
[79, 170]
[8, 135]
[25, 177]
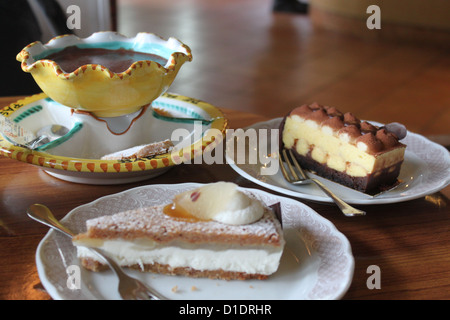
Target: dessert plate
[425, 170]
[317, 262]
[76, 157]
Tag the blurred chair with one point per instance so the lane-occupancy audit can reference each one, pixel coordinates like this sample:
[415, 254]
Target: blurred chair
[55, 17]
[25, 21]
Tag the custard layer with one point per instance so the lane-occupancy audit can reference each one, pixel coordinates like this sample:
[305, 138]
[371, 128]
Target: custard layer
[337, 152]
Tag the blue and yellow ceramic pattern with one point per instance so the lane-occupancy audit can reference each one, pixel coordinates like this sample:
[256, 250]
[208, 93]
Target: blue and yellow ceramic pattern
[60, 157]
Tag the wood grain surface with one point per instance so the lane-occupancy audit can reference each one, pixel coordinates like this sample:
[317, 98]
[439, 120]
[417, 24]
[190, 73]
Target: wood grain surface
[256, 65]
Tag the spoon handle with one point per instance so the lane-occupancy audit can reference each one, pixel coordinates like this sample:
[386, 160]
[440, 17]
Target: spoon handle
[42, 214]
[160, 114]
[35, 142]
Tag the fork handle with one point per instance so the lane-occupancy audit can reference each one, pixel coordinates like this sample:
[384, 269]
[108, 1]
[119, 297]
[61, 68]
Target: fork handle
[346, 209]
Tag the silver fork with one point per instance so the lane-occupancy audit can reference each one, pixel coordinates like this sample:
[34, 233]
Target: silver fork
[304, 179]
[129, 288]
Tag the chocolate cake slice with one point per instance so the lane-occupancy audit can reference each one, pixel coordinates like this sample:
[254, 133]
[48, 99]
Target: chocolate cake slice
[340, 147]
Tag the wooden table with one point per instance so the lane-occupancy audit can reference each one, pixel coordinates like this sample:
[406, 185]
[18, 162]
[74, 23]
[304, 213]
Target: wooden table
[408, 241]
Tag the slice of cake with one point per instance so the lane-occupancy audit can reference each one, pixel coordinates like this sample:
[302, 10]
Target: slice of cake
[142, 151]
[342, 148]
[215, 231]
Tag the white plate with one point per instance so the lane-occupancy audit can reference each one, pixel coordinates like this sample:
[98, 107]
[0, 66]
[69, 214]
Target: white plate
[425, 170]
[317, 262]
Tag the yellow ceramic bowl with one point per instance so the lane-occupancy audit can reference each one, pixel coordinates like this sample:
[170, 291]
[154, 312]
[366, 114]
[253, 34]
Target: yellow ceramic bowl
[96, 89]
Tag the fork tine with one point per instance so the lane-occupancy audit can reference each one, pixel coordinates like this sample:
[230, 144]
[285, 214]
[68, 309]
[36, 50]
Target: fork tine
[291, 169]
[283, 169]
[297, 166]
[345, 208]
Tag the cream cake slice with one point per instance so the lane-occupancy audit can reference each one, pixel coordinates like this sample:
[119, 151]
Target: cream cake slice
[343, 148]
[142, 151]
[199, 234]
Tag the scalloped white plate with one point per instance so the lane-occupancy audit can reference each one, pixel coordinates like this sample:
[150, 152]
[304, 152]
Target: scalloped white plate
[425, 170]
[317, 262]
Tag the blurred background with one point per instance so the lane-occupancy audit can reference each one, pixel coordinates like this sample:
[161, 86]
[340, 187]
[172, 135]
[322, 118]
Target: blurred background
[266, 57]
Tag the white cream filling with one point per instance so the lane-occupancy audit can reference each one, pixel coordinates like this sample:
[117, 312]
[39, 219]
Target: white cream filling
[251, 260]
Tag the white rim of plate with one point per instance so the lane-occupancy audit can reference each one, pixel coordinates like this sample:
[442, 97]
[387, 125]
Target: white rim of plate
[434, 182]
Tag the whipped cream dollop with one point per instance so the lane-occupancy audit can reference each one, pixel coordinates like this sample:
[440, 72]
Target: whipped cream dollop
[221, 202]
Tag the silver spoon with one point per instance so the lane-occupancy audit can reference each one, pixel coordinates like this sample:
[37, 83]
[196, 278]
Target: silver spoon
[47, 134]
[161, 114]
[129, 288]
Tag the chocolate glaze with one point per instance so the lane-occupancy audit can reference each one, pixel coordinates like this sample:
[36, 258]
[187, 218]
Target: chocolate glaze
[72, 57]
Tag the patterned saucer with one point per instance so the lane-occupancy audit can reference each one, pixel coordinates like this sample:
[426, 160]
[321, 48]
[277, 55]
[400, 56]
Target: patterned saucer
[75, 156]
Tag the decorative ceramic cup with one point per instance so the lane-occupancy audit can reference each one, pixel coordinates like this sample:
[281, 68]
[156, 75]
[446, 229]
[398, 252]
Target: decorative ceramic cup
[95, 88]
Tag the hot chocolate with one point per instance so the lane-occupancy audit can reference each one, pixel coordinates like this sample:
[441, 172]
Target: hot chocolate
[73, 57]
